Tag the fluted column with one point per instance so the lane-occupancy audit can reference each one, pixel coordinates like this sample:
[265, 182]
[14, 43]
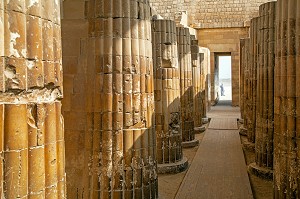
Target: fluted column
[242, 76]
[109, 103]
[31, 135]
[186, 87]
[286, 110]
[205, 81]
[251, 119]
[124, 146]
[167, 98]
[247, 87]
[265, 92]
[197, 90]
[245, 65]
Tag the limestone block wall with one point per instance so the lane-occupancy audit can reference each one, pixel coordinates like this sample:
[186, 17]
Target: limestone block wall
[31, 125]
[211, 14]
[223, 40]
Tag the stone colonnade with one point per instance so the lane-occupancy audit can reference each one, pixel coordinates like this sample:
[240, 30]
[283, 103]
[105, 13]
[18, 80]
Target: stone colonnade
[109, 105]
[167, 97]
[270, 60]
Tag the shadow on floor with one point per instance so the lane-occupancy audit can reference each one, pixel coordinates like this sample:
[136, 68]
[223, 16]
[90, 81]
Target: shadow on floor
[224, 103]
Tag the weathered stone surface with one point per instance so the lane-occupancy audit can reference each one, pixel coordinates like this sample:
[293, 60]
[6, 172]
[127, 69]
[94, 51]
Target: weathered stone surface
[205, 79]
[245, 65]
[205, 120]
[286, 101]
[242, 78]
[109, 103]
[257, 67]
[186, 84]
[262, 172]
[243, 131]
[167, 96]
[200, 129]
[197, 70]
[31, 125]
[190, 144]
[173, 168]
[210, 14]
[265, 87]
[224, 40]
[252, 79]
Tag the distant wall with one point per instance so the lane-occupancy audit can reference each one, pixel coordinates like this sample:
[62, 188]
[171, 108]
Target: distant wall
[211, 13]
[223, 40]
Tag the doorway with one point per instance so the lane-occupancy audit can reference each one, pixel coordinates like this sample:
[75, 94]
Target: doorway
[223, 80]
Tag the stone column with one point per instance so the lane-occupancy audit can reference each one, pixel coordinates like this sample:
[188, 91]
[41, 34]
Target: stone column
[186, 87]
[286, 110]
[251, 123]
[247, 87]
[127, 151]
[244, 84]
[31, 134]
[265, 93]
[242, 102]
[167, 98]
[203, 89]
[205, 81]
[78, 95]
[198, 74]
[242, 76]
[117, 100]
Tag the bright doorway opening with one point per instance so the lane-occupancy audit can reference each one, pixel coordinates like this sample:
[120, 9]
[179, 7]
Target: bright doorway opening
[225, 84]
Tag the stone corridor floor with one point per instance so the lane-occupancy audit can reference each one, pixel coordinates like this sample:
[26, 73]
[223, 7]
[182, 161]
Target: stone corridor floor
[218, 169]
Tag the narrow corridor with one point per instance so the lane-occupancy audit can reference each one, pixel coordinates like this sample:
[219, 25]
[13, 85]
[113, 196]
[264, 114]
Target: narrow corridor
[218, 169]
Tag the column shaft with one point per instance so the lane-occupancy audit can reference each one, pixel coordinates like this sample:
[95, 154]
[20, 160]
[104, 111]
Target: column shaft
[286, 114]
[265, 91]
[186, 84]
[167, 92]
[31, 125]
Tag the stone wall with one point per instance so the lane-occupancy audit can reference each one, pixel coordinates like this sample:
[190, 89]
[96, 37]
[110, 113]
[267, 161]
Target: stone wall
[223, 40]
[210, 13]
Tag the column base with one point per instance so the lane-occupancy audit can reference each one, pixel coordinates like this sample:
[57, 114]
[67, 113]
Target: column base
[173, 168]
[200, 129]
[249, 146]
[261, 172]
[241, 121]
[205, 120]
[190, 144]
[243, 131]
